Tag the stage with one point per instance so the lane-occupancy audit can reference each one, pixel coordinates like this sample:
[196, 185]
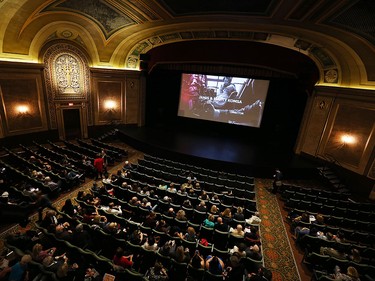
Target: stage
[215, 150]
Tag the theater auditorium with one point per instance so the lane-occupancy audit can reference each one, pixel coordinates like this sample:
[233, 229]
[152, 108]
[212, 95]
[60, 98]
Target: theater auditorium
[187, 140]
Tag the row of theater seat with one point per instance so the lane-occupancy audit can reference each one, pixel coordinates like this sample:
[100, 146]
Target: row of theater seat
[227, 196]
[291, 196]
[196, 169]
[313, 244]
[111, 154]
[327, 263]
[56, 166]
[23, 163]
[297, 201]
[103, 145]
[23, 177]
[59, 153]
[87, 151]
[220, 179]
[221, 241]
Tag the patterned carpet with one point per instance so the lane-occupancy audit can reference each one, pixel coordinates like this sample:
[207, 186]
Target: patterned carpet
[278, 256]
[277, 251]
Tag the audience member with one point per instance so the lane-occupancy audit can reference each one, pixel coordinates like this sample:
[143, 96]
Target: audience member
[214, 265]
[238, 231]
[197, 261]
[38, 254]
[350, 275]
[99, 166]
[254, 219]
[201, 207]
[221, 225]
[120, 259]
[19, 271]
[157, 273]
[209, 222]
[263, 274]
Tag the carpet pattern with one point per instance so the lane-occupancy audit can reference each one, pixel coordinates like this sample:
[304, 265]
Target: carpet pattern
[277, 252]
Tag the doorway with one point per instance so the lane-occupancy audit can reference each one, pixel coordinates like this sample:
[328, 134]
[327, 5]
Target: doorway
[72, 123]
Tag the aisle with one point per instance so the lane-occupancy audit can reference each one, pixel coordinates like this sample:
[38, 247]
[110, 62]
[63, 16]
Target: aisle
[277, 251]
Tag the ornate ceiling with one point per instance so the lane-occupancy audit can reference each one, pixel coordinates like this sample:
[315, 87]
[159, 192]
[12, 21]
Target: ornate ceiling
[338, 35]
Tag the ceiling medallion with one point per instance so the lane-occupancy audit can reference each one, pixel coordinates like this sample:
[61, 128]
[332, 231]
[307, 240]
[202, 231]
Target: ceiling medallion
[66, 34]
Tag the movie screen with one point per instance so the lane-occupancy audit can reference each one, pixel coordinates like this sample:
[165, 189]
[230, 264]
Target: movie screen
[225, 99]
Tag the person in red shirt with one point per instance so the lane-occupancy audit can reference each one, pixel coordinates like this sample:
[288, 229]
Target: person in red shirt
[122, 260]
[99, 165]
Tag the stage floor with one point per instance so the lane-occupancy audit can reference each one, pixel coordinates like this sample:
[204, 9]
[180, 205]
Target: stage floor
[216, 149]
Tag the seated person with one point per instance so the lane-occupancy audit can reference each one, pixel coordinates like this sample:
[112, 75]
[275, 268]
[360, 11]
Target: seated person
[262, 274]
[63, 231]
[238, 231]
[209, 222]
[253, 252]
[197, 260]
[81, 237]
[38, 254]
[201, 207]
[51, 184]
[239, 214]
[190, 235]
[112, 208]
[254, 219]
[112, 228]
[252, 235]
[157, 272]
[127, 166]
[240, 250]
[136, 237]
[214, 265]
[120, 259]
[68, 208]
[350, 275]
[180, 254]
[150, 244]
[49, 220]
[221, 225]
[181, 215]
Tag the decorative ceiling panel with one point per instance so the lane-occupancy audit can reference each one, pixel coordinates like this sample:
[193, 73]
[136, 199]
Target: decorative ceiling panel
[359, 18]
[323, 57]
[148, 12]
[108, 18]
[302, 9]
[253, 7]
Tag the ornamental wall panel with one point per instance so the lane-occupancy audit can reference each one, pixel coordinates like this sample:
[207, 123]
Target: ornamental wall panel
[22, 102]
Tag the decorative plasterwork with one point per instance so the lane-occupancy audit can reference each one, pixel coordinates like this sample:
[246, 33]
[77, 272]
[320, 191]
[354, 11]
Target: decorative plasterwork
[319, 55]
[254, 7]
[107, 17]
[67, 76]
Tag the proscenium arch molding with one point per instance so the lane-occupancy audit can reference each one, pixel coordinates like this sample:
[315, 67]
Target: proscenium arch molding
[348, 64]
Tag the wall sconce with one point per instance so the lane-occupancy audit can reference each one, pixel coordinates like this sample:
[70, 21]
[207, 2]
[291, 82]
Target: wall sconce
[110, 105]
[347, 140]
[23, 111]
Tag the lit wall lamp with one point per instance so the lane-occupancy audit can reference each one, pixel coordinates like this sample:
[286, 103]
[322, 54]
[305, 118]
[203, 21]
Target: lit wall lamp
[110, 105]
[348, 139]
[23, 110]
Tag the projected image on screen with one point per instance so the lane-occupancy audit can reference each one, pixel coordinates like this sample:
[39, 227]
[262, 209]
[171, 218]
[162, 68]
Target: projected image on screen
[224, 99]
